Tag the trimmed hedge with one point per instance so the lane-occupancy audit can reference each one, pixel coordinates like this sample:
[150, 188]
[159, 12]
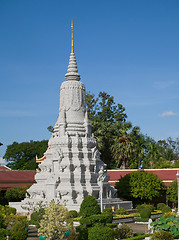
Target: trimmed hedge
[107, 210]
[140, 237]
[121, 211]
[73, 213]
[100, 233]
[160, 206]
[89, 206]
[103, 218]
[166, 209]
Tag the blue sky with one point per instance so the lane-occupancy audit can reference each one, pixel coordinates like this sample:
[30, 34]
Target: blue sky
[128, 48]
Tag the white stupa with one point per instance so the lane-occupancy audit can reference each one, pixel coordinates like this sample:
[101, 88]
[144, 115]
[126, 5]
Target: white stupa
[72, 168]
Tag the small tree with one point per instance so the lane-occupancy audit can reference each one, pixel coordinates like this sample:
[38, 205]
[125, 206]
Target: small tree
[140, 186]
[172, 192]
[89, 207]
[16, 194]
[55, 222]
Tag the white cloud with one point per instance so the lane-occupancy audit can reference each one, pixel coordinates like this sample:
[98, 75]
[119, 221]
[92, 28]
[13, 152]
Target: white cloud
[168, 114]
[2, 161]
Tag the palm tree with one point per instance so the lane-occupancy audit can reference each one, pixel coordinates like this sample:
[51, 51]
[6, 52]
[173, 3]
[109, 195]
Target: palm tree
[123, 147]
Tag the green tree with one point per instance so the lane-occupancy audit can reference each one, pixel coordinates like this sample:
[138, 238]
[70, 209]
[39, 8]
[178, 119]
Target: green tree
[22, 155]
[16, 194]
[120, 144]
[89, 206]
[172, 192]
[106, 118]
[161, 154]
[140, 186]
[55, 222]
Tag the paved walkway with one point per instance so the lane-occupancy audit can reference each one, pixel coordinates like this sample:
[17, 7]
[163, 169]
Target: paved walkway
[137, 227]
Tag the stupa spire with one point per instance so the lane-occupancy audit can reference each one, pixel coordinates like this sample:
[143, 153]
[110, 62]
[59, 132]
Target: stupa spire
[72, 72]
[72, 45]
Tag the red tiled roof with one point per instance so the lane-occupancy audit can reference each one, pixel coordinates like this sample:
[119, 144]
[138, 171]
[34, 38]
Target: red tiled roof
[167, 175]
[16, 178]
[4, 168]
[20, 178]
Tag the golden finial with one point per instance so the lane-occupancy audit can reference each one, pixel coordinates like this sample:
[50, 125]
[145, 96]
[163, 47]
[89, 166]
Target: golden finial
[72, 47]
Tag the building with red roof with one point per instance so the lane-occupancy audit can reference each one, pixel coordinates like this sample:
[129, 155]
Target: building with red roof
[15, 178]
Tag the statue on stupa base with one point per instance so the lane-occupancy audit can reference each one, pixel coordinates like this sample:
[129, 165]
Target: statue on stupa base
[71, 168]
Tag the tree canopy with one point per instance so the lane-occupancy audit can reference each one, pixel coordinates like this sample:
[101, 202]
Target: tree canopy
[140, 186]
[172, 192]
[22, 155]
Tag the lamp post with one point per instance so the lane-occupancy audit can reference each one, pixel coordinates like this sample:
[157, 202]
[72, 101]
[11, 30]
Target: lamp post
[177, 175]
[101, 191]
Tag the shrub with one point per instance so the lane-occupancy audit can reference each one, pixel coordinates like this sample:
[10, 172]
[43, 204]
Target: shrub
[107, 210]
[121, 211]
[3, 234]
[82, 232]
[55, 222]
[111, 225]
[73, 214]
[37, 216]
[7, 210]
[125, 231]
[100, 233]
[11, 220]
[160, 206]
[2, 221]
[107, 217]
[145, 213]
[166, 209]
[16, 194]
[103, 218]
[162, 235]
[18, 231]
[86, 221]
[145, 210]
[89, 207]
[142, 206]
